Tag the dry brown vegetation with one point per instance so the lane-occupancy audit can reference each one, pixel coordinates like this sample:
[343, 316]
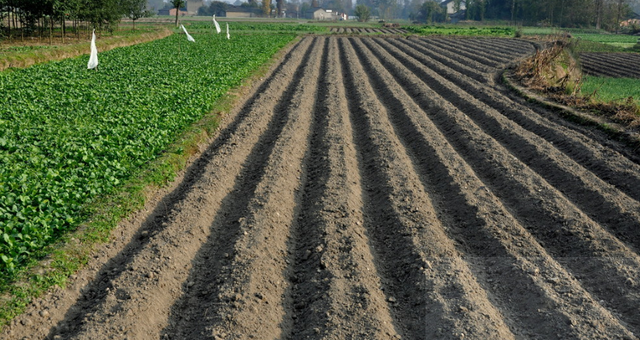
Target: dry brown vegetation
[555, 72]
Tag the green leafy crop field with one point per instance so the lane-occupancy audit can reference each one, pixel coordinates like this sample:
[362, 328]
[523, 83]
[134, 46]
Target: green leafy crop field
[69, 135]
[607, 38]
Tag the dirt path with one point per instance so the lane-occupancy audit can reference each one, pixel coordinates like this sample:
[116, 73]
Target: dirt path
[375, 188]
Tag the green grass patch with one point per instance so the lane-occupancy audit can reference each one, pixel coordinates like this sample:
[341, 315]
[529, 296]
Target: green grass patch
[539, 30]
[462, 31]
[590, 42]
[606, 38]
[580, 46]
[611, 89]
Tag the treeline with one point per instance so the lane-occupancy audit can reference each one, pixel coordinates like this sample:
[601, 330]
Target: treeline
[564, 13]
[32, 17]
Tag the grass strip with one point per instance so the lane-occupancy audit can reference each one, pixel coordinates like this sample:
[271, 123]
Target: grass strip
[606, 89]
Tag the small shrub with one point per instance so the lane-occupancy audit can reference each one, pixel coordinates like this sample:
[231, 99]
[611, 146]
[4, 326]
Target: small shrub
[518, 33]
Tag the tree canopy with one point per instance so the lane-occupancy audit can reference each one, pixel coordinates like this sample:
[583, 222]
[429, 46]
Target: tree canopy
[363, 13]
[30, 16]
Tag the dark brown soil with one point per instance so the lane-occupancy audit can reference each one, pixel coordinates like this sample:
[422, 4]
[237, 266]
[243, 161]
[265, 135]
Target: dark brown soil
[374, 188]
[359, 30]
[616, 65]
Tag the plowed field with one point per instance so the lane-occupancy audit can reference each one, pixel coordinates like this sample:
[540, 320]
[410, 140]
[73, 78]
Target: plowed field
[376, 188]
[360, 30]
[616, 65]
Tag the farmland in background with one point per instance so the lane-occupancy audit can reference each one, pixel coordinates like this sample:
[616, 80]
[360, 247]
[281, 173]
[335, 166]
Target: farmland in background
[620, 40]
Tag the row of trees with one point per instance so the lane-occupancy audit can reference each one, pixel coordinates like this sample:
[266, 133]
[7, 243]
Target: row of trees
[565, 13]
[32, 16]
[293, 8]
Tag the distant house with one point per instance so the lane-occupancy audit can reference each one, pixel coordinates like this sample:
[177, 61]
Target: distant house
[243, 11]
[317, 13]
[193, 6]
[630, 22]
[168, 10]
[455, 16]
[458, 16]
[450, 6]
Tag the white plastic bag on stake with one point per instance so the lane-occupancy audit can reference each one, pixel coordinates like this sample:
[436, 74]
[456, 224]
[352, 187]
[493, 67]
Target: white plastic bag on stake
[217, 25]
[189, 37]
[93, 59]
[228, 36]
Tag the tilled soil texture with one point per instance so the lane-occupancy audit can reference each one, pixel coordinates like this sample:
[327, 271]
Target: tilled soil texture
[360, 30]
[377, 188]
[616, 65]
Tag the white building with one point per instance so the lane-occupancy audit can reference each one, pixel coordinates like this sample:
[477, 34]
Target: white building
[450, 5]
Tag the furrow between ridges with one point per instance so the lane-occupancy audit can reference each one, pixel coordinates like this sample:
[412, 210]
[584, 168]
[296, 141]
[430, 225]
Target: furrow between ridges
[464, 65]
[565, 232]
[607, 205]
[514, 46]
[335, 292]
[610, 166]
[487, 234]
[500, 50]
[435, 293]
[133, 293]
[240, 278]
[477, 55]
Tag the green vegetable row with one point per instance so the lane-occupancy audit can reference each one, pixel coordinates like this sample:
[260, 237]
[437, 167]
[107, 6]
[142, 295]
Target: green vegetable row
[68, 134]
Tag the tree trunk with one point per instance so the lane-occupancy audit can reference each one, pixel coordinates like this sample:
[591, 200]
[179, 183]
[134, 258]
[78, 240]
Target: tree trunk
[618, 15]
[598, 14]
[9, 24]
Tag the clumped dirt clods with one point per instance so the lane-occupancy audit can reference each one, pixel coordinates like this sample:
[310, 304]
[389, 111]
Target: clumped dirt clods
[376, 188]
